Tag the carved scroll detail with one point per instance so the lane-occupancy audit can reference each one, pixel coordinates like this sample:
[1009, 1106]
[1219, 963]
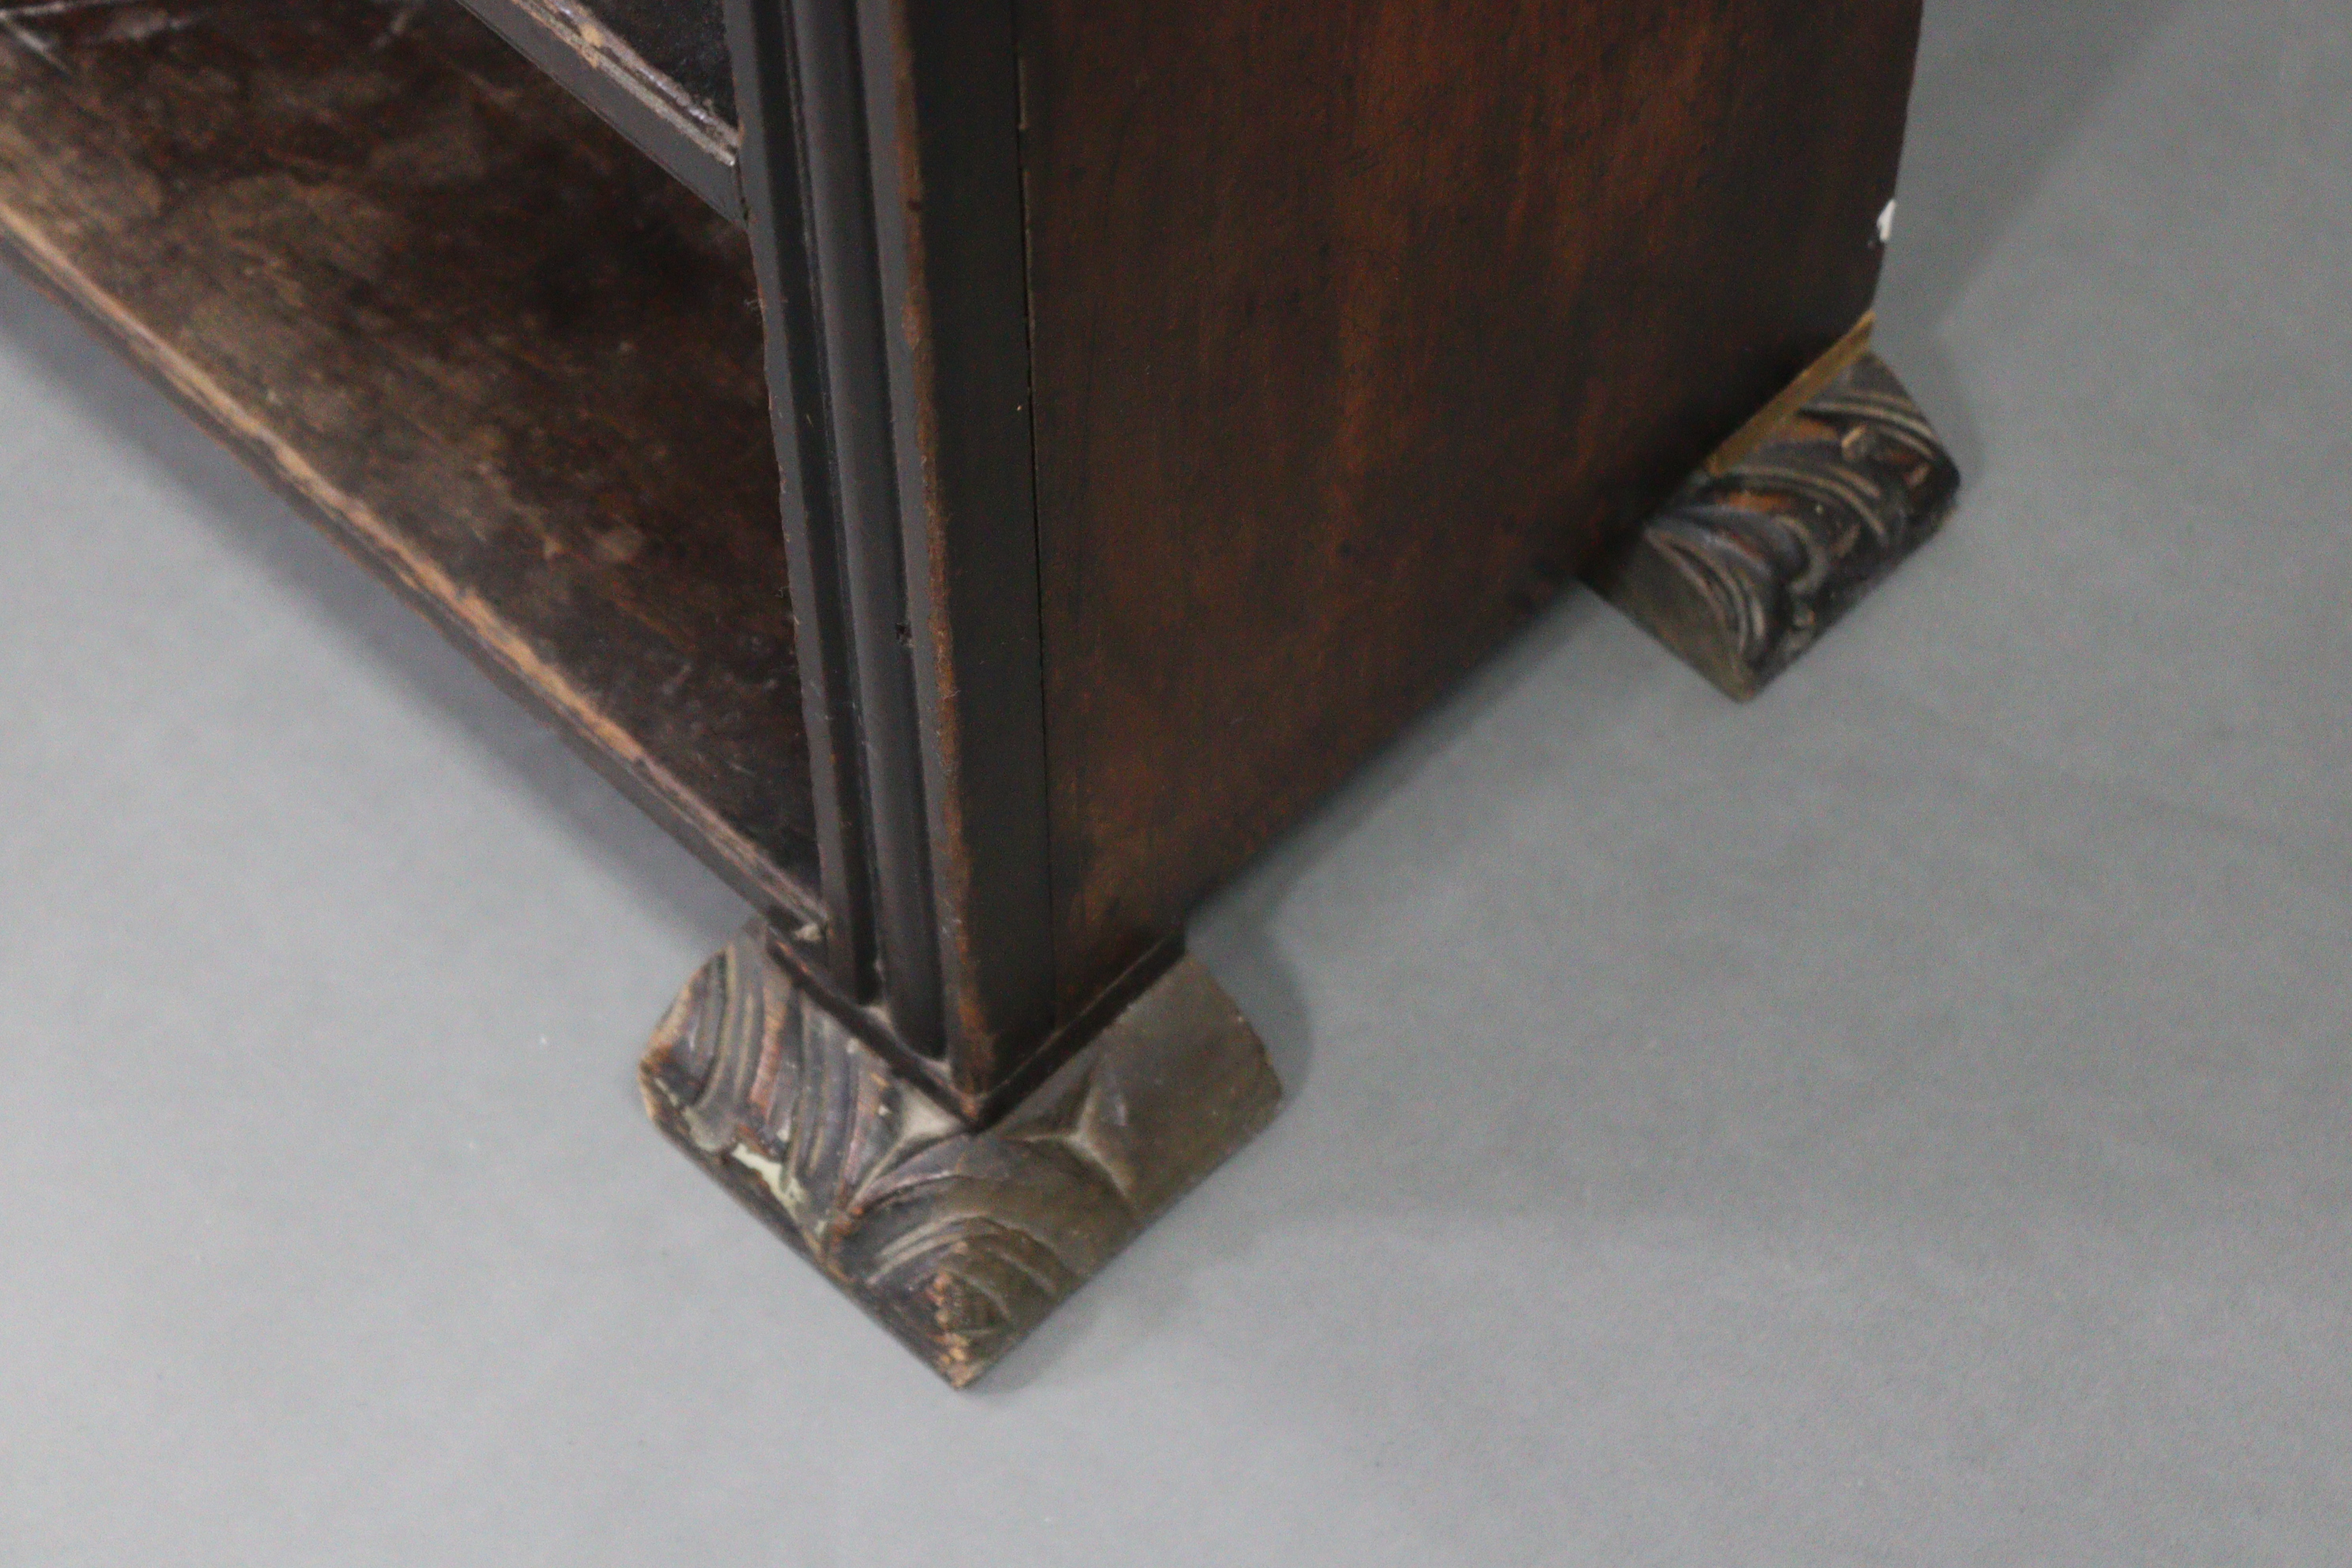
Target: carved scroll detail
[958, 1241]
[1746, 569]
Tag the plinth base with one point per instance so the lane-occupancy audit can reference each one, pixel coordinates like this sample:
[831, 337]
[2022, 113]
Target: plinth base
[1754, 561]
[960, 1241]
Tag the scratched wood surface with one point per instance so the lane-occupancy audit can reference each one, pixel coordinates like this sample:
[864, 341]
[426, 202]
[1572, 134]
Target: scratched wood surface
[506, 360]
[1358, 327]
[656, 71]
[686, 40]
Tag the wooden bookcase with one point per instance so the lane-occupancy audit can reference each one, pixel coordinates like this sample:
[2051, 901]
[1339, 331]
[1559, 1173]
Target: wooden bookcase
[977, 469]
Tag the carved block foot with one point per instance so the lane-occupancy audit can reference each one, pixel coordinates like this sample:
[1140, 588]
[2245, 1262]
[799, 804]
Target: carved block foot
[958, 1241]
[1759, 556]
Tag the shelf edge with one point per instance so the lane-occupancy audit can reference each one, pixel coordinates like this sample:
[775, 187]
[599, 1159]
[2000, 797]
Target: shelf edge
[590, 62]
[497, 648]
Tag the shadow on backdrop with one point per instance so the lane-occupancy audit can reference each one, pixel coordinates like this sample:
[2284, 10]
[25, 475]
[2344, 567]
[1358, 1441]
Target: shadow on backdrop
[2005, 87]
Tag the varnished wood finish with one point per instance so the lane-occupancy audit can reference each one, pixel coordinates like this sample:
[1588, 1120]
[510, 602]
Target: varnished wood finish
[1751, 564]
[959, 1242]
[656, 71]
[1158, 405]
[778, 208]
[1360, 326]
[943, 99]
[507, 362]
[882, 173]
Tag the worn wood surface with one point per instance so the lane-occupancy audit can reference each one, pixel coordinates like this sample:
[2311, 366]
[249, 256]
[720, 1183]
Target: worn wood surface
[686, 40]
[882, 179]
[1751, 564]
[511, 364]
[1360, 326]
[959, 1242]
[656, 71]
[948, 217]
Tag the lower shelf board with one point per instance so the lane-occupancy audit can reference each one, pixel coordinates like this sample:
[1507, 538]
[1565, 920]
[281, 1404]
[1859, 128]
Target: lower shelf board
[505, 359]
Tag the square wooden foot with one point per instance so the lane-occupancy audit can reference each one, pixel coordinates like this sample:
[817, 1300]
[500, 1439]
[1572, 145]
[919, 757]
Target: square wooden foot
[1757, 557]
[959, 1240]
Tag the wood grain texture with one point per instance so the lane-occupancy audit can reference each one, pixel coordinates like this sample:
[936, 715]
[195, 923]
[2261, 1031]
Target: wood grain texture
[504, 359]
[1358, 328]
[959, 1242]
[1748, 567]
[948, 212]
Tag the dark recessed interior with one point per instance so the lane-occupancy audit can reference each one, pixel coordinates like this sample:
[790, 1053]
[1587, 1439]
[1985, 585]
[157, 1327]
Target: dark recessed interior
[509, 361]
[686, 40]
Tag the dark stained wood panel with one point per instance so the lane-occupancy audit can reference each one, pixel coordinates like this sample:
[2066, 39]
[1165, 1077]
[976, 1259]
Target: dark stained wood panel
[1356, 327]
[658, 70]
[507, 362]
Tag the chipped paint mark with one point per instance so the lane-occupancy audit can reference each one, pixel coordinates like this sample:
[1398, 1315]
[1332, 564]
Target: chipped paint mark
[406, 13]
[135, 22]
[36, 8]
[42, 49]
[618, 547]
[137, 26]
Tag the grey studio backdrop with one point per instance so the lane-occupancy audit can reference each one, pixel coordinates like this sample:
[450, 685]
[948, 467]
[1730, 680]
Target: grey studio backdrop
[1902, 1121]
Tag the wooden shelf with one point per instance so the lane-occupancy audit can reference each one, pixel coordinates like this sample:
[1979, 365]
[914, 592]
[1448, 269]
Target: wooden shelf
[500, 356]
[654, 70]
